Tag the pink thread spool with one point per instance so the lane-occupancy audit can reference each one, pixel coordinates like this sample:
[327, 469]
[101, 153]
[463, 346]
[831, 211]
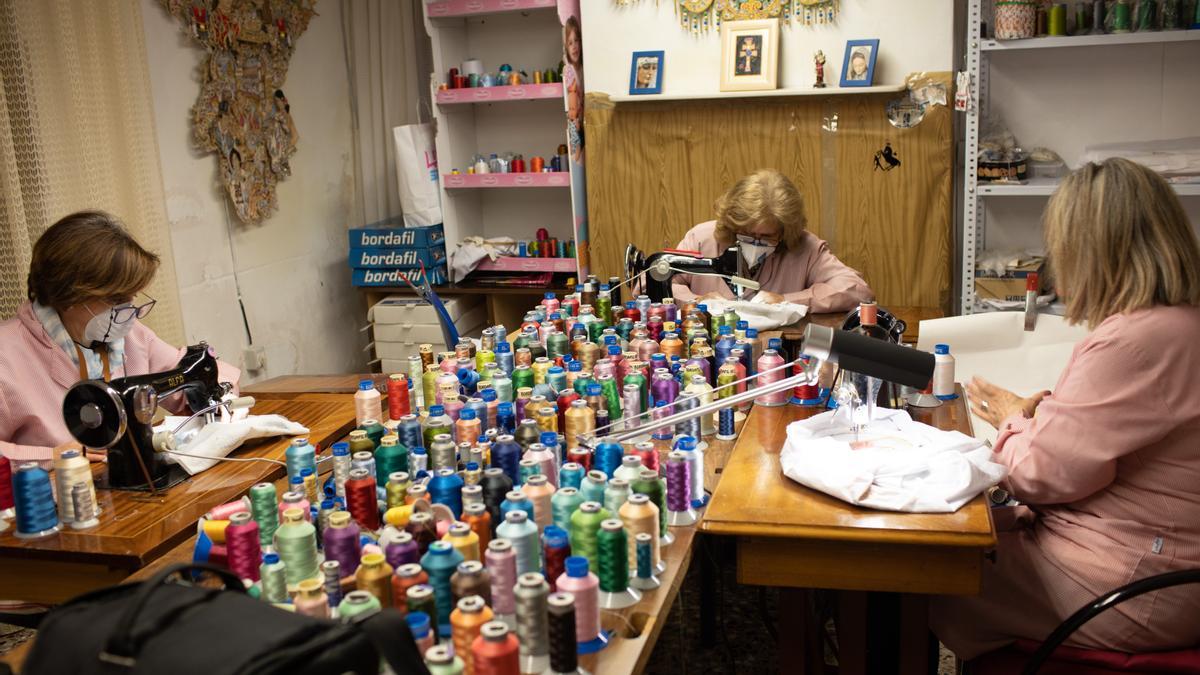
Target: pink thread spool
[585, 586]
[242, 546]
[226, 511]
[501, 562]
[771, 360]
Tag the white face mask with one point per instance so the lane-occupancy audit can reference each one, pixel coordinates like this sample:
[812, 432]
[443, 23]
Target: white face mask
[102, 329]
[754, 252]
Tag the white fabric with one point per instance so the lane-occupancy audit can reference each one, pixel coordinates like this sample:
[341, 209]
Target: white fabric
[899, 464]
[472, 250]
[758, 314]
[1176, 157]
[218, 439]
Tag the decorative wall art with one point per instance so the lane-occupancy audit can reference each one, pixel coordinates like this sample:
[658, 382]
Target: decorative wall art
[241, 113]
[698, 16]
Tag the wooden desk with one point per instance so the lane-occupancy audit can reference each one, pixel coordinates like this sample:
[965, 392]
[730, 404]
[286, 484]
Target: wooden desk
[790, 535]
[291, 386]
[136, 529]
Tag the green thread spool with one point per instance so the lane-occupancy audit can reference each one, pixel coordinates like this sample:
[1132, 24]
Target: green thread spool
[529, 467]
[296, 541]
[522, 377]
[358, 603]
[592, 489]
[273, 578]
[615, 494]
[645, 556]
[585, 525]
[375, 432]
[613, 556]
[264, 510]
[649, 483]
[1056, 19]
[581, 383]
[484, 357]
[1122, 17]
[563, 504]
[440, 660]
[420, 598]
[397, 488]
[557, 344]
[360, 442]
[390, 457]
[612, 398]
[1145, 15]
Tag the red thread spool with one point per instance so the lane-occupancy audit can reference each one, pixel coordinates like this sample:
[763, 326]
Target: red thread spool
[242, 546]
[556, 560]
[631, 313]
[460, 82]
[397, 394]
[362, 501]
[647, 453]
[551, 248]
[6, 493]
[496, 650]
[518, 165]
[805, 392]
[564, 401]
[581, 456]
[542, 234]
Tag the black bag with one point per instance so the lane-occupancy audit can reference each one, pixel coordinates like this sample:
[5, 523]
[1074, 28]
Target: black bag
[158, 627]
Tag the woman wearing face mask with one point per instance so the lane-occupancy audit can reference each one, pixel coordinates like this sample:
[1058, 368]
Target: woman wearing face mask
[86, 281]
[763, 215]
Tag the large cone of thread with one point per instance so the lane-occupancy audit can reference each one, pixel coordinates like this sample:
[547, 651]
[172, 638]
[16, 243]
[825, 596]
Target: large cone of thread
[615, 592]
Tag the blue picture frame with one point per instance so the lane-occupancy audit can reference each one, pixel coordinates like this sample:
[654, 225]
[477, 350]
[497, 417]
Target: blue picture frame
[639, 58]
[855, 48]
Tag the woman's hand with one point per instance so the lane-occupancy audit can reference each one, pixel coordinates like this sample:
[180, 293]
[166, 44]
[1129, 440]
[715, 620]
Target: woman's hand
[993, 404]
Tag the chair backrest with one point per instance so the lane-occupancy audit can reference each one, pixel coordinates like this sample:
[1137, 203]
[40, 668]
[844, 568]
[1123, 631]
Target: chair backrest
[1104, 602]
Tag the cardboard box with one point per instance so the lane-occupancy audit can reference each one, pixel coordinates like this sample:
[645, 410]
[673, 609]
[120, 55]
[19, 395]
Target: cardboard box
[395, 277]
[402, 309]
[398, 258]
[993, 288]
[397, 237]
[427, 332]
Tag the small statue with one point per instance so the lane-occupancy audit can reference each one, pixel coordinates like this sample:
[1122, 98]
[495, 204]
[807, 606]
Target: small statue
[819, 62]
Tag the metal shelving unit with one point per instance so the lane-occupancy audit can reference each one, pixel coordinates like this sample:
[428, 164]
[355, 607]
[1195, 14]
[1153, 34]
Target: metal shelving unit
[978, 50]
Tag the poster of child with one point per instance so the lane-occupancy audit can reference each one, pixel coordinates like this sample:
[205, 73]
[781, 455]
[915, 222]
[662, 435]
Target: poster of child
[749, 55]
[573, 82]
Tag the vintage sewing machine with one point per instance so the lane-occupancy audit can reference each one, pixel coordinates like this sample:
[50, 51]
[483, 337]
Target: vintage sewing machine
[118, 416]
[659, 268]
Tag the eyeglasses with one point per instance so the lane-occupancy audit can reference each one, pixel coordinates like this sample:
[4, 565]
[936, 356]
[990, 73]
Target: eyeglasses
[768, 240]
[126, 313]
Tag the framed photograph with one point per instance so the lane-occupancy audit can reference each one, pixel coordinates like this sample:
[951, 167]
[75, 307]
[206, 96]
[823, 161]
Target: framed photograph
[645, 73]
[858, 68]
[749, 54]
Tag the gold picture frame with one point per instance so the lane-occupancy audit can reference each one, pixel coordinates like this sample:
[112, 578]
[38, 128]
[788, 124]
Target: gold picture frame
[749, 55]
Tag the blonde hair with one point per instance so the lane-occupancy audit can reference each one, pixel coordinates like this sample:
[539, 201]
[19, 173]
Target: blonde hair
[87, 256]
[1118, 240]
[765, 196]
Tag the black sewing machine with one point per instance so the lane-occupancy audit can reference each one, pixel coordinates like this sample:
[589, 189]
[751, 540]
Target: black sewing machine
[659, 268]
[118, 416]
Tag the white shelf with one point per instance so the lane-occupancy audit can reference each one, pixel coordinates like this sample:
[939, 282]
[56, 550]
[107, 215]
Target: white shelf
[1091, 40]
[1044, 187]
[828, 91]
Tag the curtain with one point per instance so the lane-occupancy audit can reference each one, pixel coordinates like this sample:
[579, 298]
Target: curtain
[387, 51]
[77, 132]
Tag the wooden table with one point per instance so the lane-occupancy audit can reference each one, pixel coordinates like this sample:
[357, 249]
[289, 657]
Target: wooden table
[137, 528]
[793, 537]
[292, 386]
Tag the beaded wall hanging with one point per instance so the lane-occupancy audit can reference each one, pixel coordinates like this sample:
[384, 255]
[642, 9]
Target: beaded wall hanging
[241, 114]
[698, 16]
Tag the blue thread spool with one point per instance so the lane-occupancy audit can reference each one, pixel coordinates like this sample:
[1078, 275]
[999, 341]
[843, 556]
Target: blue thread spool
[557, 379]
[504, 356]
[409, 431]
[726, 429]
[446, 488]
[300, 455]
[479, 406]
[506, 455]
[37, 514]
[608, 458]
[570, 475]
[515, 500]
[506, 420]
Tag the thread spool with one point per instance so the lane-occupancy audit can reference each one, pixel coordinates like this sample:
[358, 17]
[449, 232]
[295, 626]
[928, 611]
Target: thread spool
[585, 588]
[423, 530]
[561, 633]
[545, 459]
[446, 488]
[331, 573]
[295, 499]
[679, 491]
[362, 499]
[242, 545]
[397, 488]
[405, 577]
[36, 513]
[342, 543]
[613, 559]
[770, 361]
[630, 469]
[464, 540]
[695, 461]
[479, 519]
[420, 599]
[273, 573]
[639, 515]
[495, 484]
[440, 562]
[390, 457]
[532, 627]
[496, 651]
[647, 454]
[585, 525]
[70, 469]
[615, 494]
[518, 529]
[501, 561]
[644, 578]
[299, 455]
[311, 599]
[593, 486]
[607, 458]
[539, 491]
[296, 542]
[401, 549]
[528, 468]
[470, 579]
[563, 504]
[7, 504]
[374, 575]
[570, 475]
[506, 455]
[82, 501]
[468, 617]
[690, 427]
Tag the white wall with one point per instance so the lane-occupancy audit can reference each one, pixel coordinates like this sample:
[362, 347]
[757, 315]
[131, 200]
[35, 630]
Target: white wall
[914, 35]
[292, 268]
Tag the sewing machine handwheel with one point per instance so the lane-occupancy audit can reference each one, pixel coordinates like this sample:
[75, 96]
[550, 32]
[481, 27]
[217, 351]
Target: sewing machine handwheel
[94, 414]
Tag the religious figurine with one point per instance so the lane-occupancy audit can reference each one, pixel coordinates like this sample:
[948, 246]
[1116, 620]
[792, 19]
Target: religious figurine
[819, 62]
